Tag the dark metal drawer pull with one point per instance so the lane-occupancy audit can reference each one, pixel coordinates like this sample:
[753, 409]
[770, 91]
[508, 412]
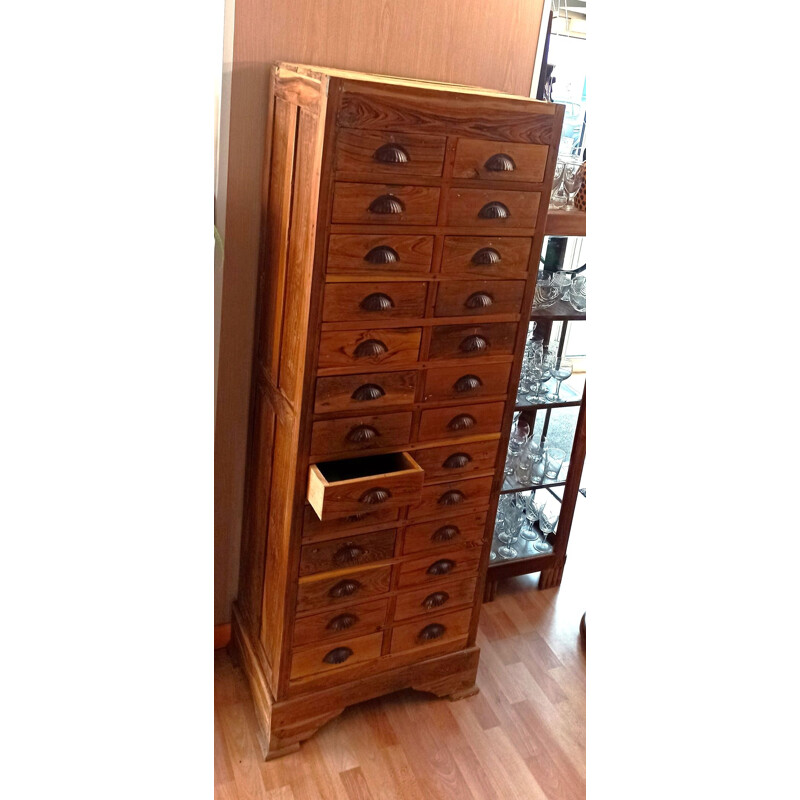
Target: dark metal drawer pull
[369, 391]
[388, 204]
[468, 383]
[456, 461]
[435, 600]
[500, 162]
[375, 496]
[370, 347]
[356, 517]
[474, 344]
[348, 553]
[344, 588]
[452, 498]
[461, 422]
[339, 655]
[362, 433]
[486, 255]
[391, 154]
[378, 301]
[493, 210]
[382, 255]
[446, 533]
[479, 300]
[435, 631]
[441, 567]
[342, 622]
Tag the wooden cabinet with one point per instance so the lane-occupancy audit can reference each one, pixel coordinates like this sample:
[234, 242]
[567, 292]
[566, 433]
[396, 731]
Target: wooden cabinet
[402, 223]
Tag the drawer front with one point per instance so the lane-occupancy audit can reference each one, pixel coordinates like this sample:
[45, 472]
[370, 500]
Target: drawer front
[436, 599]
[370, 253]
[472, 341]
[373, 302]
[488, 208]
[390, 154]
[457, 460]
[473, 298]
[434, 630]
[433, 567]
[340, 590]
[349, 620]
[450, 531]
[384, 204]
[500, 161]
[335, 655]
[464, 382]
[356, 434]
[347, 552]
[472, 420]
[357, 393]
[367, 348]
[314, 529]
[454, 497]
[486, 256]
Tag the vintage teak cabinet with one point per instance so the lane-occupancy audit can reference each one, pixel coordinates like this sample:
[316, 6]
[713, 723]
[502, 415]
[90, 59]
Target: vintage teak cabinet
[402, 227]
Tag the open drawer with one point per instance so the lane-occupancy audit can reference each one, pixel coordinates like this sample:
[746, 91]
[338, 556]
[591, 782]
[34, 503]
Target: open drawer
[348, 486]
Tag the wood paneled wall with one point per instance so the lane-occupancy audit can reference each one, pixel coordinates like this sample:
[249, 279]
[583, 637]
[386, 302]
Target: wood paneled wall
[460, 41]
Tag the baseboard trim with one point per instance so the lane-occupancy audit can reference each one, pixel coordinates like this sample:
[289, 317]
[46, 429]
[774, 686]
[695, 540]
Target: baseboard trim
[222, 636]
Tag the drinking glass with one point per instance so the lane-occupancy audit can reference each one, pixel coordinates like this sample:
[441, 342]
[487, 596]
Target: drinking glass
[548, 519]
[573, 178]
[577, 293]
[547, 292]
[553, 459]
[560, 371]
[509, 531]
[538, 375]
[532, 515]
[519, 435]
[558, 195]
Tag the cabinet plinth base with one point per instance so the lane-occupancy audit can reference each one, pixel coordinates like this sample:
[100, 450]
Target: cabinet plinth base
[549, 578]
[285, 724]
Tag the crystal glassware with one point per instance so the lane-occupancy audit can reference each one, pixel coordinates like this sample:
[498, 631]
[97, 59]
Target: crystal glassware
[547, 292]
[548, 519]
[573, 178]
[532, 515]
[577, 293]
[560, 371]
[553, 459]
[558, 195]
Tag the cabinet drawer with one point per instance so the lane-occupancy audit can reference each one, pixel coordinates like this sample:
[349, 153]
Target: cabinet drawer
[355, 620]
[314, 529]
[470, 420]
[384, 204]
[335, 655]
[435, 599]
[348, 552]
[464, 382]
[431, 568]
[486, 256]
[356, 393]
[389, 153]
[373, 302]
[492, 208]
[363, 348]
[500, 161]
[472, 298]
[357, 434]
[434, 630]
[457, 460]
[453, 497]
[348, 589]
[398, 254]
[472, 341]
[348, 486]
[450, 531]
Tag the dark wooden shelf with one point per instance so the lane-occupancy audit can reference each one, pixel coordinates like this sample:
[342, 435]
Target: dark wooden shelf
[560, 310]
[511, 567]
[565, 223]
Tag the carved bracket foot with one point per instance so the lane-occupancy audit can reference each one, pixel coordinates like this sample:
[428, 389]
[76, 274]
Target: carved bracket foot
[550, 578]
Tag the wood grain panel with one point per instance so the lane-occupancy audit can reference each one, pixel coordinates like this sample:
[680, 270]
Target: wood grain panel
[474, 157]
[347, 552]
[466, 420]
[371, 390]
[355, 619]
[466, 382]
[385, 204]
[314, 529]
[452, 498]
[486, 256]
[446, 531]
[343, 589]
[361, 253]
[343, 435]
[394, 346]
[433, 567]
[435, 629]
[322, 658]
[457, 460]
[466, 207]
[403, 153]
[435, 599]
[373, 302]
[472, 341]
[476, 298]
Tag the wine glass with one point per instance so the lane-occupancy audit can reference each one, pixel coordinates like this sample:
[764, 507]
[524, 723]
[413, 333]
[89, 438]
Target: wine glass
[559, 195]
[509, 531]
[519, 435]
[561, 370]
[573, 178]
[548, 519]
[529, 534]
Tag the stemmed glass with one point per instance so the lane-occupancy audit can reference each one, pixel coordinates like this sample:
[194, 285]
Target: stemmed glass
[548, 519]
[532, 515]
[573, 178]
[507, 529]
[560, 371]
[519, 436]
[559, 195]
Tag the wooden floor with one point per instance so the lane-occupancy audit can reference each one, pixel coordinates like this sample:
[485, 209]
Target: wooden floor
[522, 736]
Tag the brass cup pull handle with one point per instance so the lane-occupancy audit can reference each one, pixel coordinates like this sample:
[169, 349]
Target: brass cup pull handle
[368, 391]
[370, 348]
[500, 162]
[377, 301]
[467, 383]
[382, 255]
[387, 204]
[441, 567]
[446, 533]
[391, 154]
[342, 622]
[374, 497]
[457, 461]
[430, 632]
[486, 256]
[344, 588]
[462, 422]
[479, 300]
[435, 600]
[356, 517]
[494, 210]
[362, 433]
[348, 554]
[452, 498]
[474, 344]
[338, 656]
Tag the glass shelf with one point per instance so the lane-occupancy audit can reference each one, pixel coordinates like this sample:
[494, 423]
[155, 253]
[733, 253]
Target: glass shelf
[510, 485]
[560, 310]
[570, 394]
